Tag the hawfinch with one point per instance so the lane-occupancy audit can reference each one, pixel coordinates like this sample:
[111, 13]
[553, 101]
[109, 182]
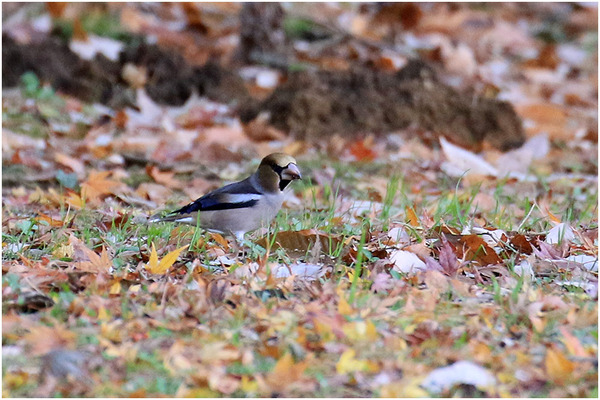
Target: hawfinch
[242, 206]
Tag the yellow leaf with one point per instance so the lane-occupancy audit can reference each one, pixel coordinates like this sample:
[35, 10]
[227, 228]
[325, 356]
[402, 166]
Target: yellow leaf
[66, 250]
[324, 330]
[348, 363]
[153, 261]
[360, 330]
[343, 307]
[103, 314]
[248, 386]
[371, 332]
[115, 288]
[408, 387]
[74, 200]
[558, 367]
[169, 260]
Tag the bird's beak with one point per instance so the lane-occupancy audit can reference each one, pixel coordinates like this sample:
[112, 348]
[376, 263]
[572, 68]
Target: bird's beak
[291, 172]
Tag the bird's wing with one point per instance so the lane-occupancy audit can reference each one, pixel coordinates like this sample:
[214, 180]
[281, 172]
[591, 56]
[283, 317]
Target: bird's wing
[235, 195]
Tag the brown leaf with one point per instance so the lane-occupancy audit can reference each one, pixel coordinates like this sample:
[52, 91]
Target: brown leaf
[546, 59]
[49, 220]
[448, 259]
[259, 129]
[89, 260]
[165, 178]
[43, 338]
[521, 243]
[73, 164]
[301, 241]
[57, 8]
[474, 248]
[286, 372]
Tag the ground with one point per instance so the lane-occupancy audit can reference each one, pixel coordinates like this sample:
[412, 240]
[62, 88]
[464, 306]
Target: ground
[398, 260]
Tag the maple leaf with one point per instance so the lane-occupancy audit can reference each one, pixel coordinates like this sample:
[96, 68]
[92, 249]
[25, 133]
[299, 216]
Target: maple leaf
[286, 371]
[98, 185]
[89, 260]
[156, 267]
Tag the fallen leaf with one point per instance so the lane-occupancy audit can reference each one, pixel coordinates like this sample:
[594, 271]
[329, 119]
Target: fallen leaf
[348, 363]
[286, 372]
[164, 178]
[572, 343]
[49, 220]
[463, 162]
[98, 184]
[474, 248]
[159, 268]
[411, 216]
[407, 262]
[558, 367]
[87, 259]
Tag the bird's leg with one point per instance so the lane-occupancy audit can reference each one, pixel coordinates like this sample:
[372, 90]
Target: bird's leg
[239, 244]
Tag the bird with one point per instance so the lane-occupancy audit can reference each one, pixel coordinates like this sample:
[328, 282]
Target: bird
[243, 206]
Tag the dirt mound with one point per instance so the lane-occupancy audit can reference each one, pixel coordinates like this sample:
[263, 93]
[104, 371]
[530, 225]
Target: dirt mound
[310, 105]
[52, 61]
[171, 79]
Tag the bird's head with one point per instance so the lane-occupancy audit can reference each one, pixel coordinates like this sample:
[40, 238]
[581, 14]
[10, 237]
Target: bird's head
[277, 170]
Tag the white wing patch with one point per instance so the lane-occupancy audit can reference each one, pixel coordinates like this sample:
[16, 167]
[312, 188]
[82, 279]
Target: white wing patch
[186, 220]
[242, 197]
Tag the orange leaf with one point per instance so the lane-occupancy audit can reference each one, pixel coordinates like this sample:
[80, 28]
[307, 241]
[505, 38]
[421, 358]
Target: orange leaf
[219, 239]
[558, 367]
[98, 185]
[411, 216]
[51, 221]
[572, 343]
[361, 151]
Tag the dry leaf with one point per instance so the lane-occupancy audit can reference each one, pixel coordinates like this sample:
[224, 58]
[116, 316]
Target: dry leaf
[558, 367]
[348, 363]
[159, 268]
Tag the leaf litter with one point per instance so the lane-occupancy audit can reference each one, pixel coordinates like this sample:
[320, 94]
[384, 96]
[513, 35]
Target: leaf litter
[485, 262]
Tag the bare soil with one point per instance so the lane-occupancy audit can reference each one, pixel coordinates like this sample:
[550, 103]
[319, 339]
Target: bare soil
[309, 105]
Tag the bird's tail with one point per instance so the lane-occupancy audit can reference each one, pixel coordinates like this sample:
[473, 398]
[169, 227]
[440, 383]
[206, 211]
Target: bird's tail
[173, 217]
